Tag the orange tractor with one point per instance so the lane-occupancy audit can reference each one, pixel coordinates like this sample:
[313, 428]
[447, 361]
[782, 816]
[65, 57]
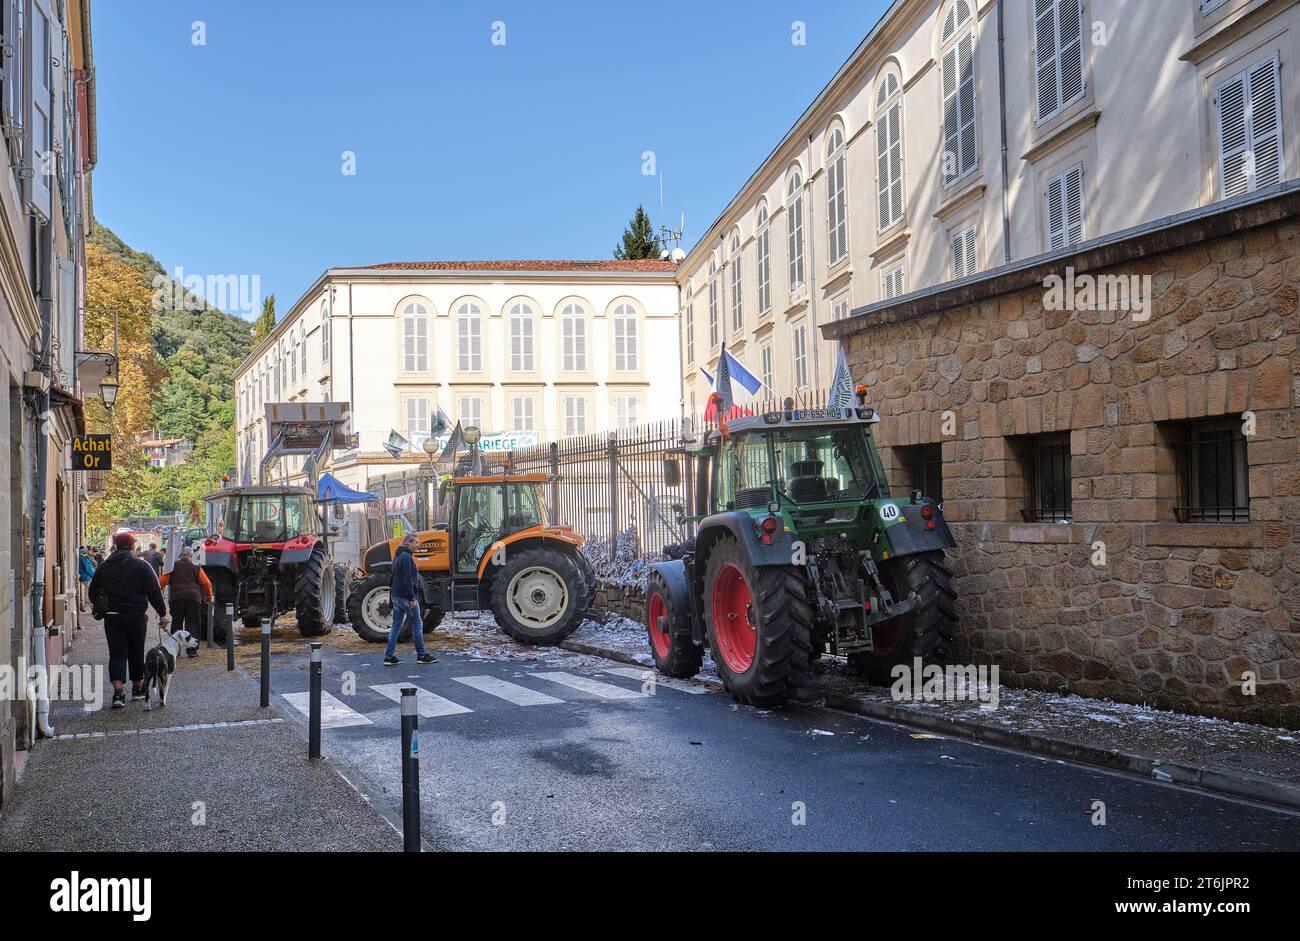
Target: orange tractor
[496, 553]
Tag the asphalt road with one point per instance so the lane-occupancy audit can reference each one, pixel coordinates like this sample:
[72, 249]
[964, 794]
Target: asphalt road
[549, 761]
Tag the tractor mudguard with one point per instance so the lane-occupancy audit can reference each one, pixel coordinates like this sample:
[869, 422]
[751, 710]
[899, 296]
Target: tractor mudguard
[741, 525]
[218, 560]
[296, 556]
[910, 535]
[675, 577]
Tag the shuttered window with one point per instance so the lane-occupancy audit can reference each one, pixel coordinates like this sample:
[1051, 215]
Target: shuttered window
[891, 283]
[889, 152]
[1058, 55]
[521, 408]
[626, 351]
[765, 364]
[957, 81]
[800, 344]
[573, 338]
[471, 412]
[961, 246]
[713, 303]
[625, 411]
[840, 307]
[415, 338]
[737, 292]
[469, 338]
[763, 249]
[837, 226]
[575, 415]
[690, 328]
[794, 233]
[1064, 197]
[417, 419]
[521, 338]
[1250, 129]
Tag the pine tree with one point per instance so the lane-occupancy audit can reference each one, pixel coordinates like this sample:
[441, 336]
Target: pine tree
[265, 323]
[639, 239]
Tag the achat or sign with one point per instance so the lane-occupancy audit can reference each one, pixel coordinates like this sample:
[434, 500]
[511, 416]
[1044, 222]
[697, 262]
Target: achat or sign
[92, 453]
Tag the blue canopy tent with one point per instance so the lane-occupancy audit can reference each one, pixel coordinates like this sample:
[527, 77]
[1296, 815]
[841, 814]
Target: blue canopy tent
[330, 490]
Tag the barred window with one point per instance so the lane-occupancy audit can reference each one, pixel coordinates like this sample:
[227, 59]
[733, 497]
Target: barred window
[1046, 460]
[923, 469]
[1213, 481]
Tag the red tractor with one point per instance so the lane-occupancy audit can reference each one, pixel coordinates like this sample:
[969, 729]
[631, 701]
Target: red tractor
[267, 558]
[268, 554]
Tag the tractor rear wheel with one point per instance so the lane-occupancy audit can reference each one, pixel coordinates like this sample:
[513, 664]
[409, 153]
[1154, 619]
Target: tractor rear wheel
[760, 624]
[674, 652]
[927, 631]
[313, 596]
[537, 597]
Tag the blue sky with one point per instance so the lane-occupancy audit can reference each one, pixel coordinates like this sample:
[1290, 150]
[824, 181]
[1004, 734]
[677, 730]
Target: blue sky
[225, 158]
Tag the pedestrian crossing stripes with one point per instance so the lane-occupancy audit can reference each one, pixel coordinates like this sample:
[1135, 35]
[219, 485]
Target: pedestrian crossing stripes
[510, 692]
[644, 673]
[334, 714]
[428, 705]
[588, 685]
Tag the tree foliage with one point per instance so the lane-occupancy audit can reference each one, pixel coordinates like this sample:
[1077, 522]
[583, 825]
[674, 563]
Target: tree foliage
[639, 239]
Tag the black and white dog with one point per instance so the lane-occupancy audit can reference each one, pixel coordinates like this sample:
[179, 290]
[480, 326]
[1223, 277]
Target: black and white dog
[160, 663]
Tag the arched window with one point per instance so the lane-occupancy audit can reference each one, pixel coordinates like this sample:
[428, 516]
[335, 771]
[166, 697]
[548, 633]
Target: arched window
[889, 149]
[837, 226]
[415, 337]
[794, 230]
[521, 338]
[957, 85]
[573, 338]
[626, 355]
[763, 249]
[469, 337]
[737, 293]
[713, 303]
[690, 326]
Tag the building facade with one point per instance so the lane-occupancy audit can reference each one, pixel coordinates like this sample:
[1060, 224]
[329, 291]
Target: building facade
[962, 135]
[47, 106]
[527, 351]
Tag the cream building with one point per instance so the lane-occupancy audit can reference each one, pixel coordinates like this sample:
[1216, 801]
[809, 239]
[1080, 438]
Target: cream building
[962, 135]
[527, 350]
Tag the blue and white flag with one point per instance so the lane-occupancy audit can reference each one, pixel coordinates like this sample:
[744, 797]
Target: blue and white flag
[841, 395]
[736, 369]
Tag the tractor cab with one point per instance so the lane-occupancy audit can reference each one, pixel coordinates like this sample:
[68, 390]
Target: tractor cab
[489, 509]
[265, 516]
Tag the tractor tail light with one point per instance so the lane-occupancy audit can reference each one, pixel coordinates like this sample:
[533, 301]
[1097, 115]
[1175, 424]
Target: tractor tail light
[769, 527]
[927, 514]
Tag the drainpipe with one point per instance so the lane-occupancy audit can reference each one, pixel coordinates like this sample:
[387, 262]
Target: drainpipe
[45, 254]
[43, 726]
[1002, 115]
[352, 385]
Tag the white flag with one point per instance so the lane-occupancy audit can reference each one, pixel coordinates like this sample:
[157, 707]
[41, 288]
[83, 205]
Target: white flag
[841, 385]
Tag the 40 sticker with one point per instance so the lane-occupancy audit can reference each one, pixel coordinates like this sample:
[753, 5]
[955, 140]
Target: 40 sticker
[889, 513]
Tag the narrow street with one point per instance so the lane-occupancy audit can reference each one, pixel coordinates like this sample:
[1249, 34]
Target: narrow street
[568, 753]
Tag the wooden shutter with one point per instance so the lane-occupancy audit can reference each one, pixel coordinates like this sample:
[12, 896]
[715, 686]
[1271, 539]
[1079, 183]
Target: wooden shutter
[1058, 54]
[1266, 123]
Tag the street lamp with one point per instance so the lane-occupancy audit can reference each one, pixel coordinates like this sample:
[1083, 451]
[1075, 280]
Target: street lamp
[108, 390]
[430, 448]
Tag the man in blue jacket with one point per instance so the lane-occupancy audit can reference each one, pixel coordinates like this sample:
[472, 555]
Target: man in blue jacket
[404, 592]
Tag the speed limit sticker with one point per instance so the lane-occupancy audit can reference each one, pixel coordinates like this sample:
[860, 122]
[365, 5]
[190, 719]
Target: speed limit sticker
[888, 512]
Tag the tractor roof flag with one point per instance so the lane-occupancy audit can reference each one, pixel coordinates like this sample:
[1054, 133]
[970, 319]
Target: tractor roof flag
[841, 385]
[396, 444]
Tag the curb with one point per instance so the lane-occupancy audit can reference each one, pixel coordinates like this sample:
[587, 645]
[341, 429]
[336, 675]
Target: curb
[1216, 780]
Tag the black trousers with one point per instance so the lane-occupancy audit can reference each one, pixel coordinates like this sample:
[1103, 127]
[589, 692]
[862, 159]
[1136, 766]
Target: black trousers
[125, 633]
[186, 617]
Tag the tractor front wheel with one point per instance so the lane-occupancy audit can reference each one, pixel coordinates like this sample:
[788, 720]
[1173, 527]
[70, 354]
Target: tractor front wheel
[314, 594]
[760, 625]
[927, 631]
[674, 652]
[538, 596]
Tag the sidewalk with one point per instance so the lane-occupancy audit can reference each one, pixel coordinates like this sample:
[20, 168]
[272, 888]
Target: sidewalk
[128, 779]
[1234, 758]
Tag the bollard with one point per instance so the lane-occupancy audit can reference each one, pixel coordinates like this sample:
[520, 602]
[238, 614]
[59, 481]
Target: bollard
[230, 637]
[212, 618]
[266, 662]
[313, 715]
[410, 772]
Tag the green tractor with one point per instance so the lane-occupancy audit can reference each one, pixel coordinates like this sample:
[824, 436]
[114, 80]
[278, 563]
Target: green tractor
[800, 550]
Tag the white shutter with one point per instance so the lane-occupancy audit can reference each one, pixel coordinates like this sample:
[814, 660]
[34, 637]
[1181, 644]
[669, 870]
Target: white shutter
[794, 245]
[41, 156]
[1058, 54]
[892, 283]
[521, 338]
[951, 119]
[966, 99]
[765, 357]
[690, 331]
[962, 246]
[737, 298]
[889, 165]
[836, 226]
[1251, 153]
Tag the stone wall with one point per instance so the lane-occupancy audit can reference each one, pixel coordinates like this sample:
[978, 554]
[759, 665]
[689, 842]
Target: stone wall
[1179, 611]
